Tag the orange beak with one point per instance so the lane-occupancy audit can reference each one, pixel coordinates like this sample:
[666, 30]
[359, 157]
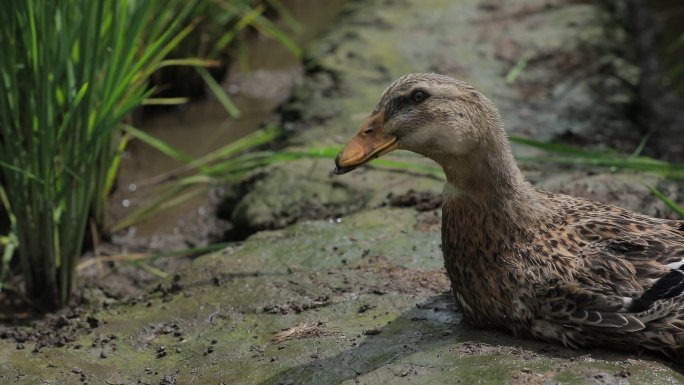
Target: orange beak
[370, 142]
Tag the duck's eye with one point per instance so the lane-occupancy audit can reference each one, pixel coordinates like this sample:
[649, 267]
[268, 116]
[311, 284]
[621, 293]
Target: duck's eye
[418, 96]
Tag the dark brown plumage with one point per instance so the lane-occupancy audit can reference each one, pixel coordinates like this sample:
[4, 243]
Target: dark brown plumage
[542, 265]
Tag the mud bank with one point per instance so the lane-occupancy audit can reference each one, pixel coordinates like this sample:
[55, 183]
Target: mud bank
[346, 285]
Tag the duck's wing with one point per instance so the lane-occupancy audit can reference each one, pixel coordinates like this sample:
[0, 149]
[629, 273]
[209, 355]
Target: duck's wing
[630, 274]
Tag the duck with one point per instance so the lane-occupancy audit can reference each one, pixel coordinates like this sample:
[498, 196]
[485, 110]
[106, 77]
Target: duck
[538, 264]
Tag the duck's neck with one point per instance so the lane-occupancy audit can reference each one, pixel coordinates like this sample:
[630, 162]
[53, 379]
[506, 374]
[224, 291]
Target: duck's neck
[489, 192]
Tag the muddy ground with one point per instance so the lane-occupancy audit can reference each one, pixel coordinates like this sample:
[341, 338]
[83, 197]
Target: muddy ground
[340, 279]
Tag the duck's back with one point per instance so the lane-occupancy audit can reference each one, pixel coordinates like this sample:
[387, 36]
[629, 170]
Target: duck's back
[591, 274]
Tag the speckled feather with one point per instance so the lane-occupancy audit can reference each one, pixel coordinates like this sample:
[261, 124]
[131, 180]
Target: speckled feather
[543, 265]
[591, 274]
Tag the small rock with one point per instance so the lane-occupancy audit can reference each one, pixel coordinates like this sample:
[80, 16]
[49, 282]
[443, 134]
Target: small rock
[161, 351]
[371, 332]
[168, 379]
[93, 322]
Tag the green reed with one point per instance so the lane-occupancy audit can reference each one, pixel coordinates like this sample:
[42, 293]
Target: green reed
[234, 161]
[70, 72]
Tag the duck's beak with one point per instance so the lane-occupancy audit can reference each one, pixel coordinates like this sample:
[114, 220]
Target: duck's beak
[370, 142]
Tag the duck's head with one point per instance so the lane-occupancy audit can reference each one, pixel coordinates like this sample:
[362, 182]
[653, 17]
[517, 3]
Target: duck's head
[430, 114]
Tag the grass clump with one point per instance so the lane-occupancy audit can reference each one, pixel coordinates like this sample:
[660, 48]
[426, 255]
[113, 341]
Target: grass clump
[70, 71]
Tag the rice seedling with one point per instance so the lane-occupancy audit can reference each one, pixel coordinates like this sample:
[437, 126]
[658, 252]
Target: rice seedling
[234, 161]
[222, 24]
[73, 72]
[217, 24]
[229, 164]
[143, 258]
[70, 72]
[679, 210]
[569, 155]
[218, 33]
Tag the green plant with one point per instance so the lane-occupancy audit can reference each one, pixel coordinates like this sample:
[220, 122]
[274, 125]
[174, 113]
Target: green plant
[679, 210]
[608, 158]
[220, 24]
[229, 164]
[219, 34]
[70, 72]
[570, 155]
[235, 160]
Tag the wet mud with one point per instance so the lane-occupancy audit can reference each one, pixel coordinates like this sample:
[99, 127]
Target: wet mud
[341, 281]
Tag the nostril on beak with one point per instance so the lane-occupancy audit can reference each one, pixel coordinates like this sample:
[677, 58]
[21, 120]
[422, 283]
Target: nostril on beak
[368, 130]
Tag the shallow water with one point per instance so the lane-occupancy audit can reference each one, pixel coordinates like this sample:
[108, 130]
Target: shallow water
[204, 126]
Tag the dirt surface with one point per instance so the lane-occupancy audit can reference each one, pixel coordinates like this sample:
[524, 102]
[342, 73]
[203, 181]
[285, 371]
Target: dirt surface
[365, 300]
[420, 200]
[341, 281]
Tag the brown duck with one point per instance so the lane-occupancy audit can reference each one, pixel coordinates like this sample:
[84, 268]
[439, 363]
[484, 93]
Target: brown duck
[542, 265]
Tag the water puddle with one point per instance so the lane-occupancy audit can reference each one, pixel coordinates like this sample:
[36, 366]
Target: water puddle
[205, 126]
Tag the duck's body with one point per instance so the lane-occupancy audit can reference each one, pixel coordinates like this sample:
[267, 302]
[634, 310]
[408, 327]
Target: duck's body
[584, 275]
[542, 265]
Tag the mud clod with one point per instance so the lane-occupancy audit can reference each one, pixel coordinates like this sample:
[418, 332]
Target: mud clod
[420, 200]
[169, 379]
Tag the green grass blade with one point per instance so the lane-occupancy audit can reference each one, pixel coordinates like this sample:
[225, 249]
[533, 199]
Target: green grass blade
[113, 169]
[245, 143]
[519, 67]
[165, 101]
[668, 202]
[21, 171]
[191, 62]
[266, 27]
[607, 158]
[150, 269]
[220, 94]
[285, 14]
[247, 19]
[554, 147]
[158, 144]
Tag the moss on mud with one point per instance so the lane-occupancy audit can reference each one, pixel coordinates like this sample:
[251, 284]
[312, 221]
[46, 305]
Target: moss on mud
[361, 297]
